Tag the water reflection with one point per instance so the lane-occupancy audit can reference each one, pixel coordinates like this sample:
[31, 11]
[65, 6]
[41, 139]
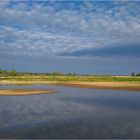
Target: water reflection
[71, 113]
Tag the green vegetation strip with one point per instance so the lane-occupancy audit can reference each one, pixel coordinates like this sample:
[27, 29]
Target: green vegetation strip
[72, 78]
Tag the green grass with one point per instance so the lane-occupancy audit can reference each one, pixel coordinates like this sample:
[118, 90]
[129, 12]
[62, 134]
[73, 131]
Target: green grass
[73, 78]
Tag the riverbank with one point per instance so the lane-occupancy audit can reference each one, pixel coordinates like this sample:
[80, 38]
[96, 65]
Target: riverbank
[16, 82]
[19, 92]
[131, 86]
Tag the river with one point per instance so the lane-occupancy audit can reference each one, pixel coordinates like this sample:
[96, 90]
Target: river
[70, 113]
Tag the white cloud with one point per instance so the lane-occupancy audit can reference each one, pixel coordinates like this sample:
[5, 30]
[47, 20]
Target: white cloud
[38, 43]
[44, 30]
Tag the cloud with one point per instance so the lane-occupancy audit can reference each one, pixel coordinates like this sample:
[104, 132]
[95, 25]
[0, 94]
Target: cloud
[56, 29]
[35, 43]
[131, 50]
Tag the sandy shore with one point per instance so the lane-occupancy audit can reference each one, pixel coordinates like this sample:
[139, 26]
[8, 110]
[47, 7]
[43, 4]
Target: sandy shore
[131, 86]
[25, 82]
[9, 92]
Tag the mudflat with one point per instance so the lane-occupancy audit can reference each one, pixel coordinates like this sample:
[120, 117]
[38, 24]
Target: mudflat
[9, 92]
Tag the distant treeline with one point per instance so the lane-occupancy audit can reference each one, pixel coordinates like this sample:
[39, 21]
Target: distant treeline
[135, 74]
[16, 73]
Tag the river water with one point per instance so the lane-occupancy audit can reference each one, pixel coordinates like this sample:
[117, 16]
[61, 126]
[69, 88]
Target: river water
[70, 113]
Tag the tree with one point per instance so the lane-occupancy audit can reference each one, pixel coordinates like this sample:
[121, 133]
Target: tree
[133, 74]
[57, 74]
[13, 73]
[3, 72]
[138, 74]
[71, 74]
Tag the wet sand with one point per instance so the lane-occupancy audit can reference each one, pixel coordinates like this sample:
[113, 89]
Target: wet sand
[130, 86]
[15, 92]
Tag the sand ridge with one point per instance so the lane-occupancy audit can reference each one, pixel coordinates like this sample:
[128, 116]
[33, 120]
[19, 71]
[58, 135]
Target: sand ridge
[9, 92]
[130, 86]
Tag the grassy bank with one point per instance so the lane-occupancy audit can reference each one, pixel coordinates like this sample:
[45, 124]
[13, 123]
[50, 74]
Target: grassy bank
[71, 78]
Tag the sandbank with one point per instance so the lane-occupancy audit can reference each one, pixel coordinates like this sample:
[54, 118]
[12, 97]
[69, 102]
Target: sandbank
[15, 92]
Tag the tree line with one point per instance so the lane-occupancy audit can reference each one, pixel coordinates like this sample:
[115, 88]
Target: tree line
[135, 74]
[15, 73]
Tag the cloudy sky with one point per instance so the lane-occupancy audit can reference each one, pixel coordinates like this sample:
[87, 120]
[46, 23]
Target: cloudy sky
[96, 37]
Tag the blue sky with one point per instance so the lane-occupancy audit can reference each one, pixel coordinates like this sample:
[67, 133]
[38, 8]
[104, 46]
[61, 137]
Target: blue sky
[96, 37]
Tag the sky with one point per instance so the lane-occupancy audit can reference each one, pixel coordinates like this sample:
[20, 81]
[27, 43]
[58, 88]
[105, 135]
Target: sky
[85, 37]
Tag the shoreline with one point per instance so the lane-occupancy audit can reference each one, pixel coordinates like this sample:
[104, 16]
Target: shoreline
[130, 86]
[22, 92]
[6, 82]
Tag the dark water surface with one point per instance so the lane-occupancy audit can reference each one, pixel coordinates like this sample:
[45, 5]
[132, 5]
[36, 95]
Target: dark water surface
[70, 113]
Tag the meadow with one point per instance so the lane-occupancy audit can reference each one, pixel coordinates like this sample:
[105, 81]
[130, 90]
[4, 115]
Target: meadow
[72, 78]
